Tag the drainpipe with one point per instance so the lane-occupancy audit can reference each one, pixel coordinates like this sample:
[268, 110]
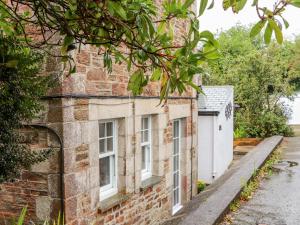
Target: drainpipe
[38, 125]
[213, 148]
[192, 148]
[134, 146]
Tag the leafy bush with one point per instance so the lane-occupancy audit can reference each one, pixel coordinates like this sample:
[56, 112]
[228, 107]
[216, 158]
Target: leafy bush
[21, 87]
[263, 124]
[240, 132]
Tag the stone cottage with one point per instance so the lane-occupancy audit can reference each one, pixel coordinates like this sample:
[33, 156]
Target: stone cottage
[117, 159]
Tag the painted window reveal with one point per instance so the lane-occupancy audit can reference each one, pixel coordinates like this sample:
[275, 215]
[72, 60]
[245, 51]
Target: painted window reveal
[176, 165]
[146, 147]
[107, 159]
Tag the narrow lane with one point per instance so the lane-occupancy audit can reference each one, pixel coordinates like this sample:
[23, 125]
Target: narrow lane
[277, 201]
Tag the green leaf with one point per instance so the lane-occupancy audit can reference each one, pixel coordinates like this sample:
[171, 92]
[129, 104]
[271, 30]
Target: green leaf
[156, 74]
[257, 28]
[68, 40]
[241, 4]
[188, 3]
[136, 82]
[193, 85]
[207, 34]
[22, 216]
[116, 8]
[72, 69]
[164, 91]
[268, 34]
[254, 2]
[278, 32]
[171, 31]
[286, 23]
[203, 5]
[211, 4]
[161, 27]
[295, 3]
[226, 4]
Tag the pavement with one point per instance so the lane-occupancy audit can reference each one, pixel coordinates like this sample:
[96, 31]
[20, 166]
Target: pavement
[209, 206]
[277, 201]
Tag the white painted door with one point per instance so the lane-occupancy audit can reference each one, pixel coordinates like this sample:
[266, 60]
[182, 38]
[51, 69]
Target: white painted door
[176, 200]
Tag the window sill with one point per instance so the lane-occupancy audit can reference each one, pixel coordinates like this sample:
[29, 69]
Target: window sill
[111, 202]
[151, 181]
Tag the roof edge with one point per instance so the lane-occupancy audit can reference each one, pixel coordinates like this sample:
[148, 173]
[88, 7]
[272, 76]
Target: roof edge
[208, 113]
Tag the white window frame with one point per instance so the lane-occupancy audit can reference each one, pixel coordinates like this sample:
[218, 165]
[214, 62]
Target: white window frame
[147, 172]
[110, 189]
[176, 207]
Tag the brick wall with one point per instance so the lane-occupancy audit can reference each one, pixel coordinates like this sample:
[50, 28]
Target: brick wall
[147, 207]
[38, 189]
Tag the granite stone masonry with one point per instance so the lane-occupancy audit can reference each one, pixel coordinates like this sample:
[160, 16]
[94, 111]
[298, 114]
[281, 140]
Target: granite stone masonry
[86, 108]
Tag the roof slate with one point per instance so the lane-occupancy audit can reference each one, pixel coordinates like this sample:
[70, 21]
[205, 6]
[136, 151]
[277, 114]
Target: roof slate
[214, 98]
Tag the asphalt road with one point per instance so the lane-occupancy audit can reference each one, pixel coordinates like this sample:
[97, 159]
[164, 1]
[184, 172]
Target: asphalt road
[277, 201]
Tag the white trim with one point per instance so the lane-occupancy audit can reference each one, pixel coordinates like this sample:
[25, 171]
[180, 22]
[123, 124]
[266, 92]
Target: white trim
[177, 206]
[110, 189]
[147, 173]
[175, 209]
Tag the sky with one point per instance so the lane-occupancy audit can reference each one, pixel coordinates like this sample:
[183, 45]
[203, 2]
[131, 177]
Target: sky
[216, 19]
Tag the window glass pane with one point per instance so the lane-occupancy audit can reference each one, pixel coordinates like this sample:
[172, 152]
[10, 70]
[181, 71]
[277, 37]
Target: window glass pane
[104, 171]
[102, 146]
[176, 146]
[148, 157]
[145, 123]
[176, 129]
[176, 162]
[176, 195]
[142, 136]
[109, 129]
[143, 157]
[146, 136]
[176, 179]
[102, 130]
[109, 142]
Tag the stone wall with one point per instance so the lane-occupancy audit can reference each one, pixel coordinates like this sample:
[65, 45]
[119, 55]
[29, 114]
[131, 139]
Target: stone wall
[138, 205]
[37, 189]
[75, 119]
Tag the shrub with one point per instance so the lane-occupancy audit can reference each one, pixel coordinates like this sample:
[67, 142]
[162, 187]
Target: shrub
[263, 124]
[21, 87]
[240, 132]
[200, 186]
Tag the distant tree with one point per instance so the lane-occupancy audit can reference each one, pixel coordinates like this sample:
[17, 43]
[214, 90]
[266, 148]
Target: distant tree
[261, 76]
[20, 89]
[295, 64]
